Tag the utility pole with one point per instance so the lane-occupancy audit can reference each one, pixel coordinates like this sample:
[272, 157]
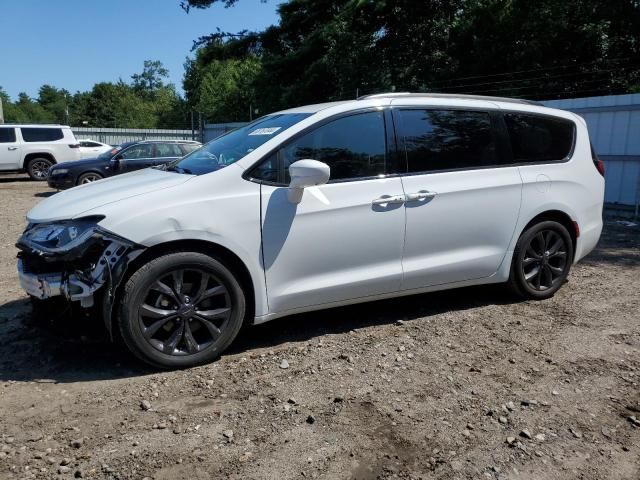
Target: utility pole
[1, 112]
[193, 131]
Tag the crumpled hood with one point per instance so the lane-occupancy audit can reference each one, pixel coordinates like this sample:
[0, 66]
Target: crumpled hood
[74, 202]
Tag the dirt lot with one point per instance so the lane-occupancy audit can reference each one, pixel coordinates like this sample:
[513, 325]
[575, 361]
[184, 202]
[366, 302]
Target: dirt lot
[460, 384]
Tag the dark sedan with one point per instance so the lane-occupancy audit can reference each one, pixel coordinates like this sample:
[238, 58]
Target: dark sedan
[121, 159]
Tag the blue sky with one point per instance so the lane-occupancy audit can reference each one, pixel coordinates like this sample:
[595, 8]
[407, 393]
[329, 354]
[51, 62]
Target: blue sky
[73, 44]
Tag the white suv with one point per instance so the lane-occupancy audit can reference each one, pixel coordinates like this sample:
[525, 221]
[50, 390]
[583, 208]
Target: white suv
[321, 206]
[34, 148]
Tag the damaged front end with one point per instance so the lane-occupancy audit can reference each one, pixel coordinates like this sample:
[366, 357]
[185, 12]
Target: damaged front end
[75, 259]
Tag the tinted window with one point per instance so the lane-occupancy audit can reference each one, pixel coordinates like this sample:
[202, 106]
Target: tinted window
[168, 150]
[84, 143]
[7, 135]
[536, 138]
[267, 170]
[41, 134]
[144, 150]
[353, 147]
[447, 139]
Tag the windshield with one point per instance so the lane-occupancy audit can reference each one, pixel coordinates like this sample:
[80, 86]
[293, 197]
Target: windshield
[232, 146]
[110, 153]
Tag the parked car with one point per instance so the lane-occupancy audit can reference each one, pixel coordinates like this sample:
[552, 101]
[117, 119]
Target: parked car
[35, 148]
[321, 206]
[92, 148]
[124, 158]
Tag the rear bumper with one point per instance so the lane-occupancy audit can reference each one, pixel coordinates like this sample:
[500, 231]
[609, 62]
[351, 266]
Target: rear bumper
[587, 240]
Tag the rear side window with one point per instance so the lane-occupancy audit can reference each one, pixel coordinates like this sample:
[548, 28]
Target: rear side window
[189, 147]
[30, 134]
[436, 140]
[353, 147]
[84, 143]
[7, 135]
[537, 138]
[168, 150]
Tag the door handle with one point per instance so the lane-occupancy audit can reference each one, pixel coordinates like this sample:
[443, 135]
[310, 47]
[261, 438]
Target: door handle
[421, 195]
[388, 200]
[12, 148]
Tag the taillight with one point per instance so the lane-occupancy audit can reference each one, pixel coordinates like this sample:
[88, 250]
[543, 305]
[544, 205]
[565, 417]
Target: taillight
[597, 162]
[74, 145]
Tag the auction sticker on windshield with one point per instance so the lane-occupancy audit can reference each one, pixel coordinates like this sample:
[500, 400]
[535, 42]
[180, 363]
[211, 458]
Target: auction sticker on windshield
[265, 131]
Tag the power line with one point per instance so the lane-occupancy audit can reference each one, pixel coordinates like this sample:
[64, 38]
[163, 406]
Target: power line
[517, 72]
[530, 79]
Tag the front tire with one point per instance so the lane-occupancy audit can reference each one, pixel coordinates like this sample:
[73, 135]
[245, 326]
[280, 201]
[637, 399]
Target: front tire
[541, 260]
[180, 310]
[38, 168]
[89, 178]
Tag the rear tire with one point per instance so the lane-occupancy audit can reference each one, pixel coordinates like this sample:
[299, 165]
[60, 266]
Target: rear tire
[89, 178]
[180, 310]
[38, 168]
[541, 261]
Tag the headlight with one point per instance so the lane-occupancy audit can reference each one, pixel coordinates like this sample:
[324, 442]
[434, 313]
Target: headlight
[61, 236]
[59, 171]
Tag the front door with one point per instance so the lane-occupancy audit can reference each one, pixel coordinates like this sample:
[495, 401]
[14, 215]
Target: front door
[462, 201]
[344, 239]
[137, 157]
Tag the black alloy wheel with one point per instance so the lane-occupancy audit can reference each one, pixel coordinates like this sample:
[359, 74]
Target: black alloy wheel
[181, 309]
[545, 260]
[184, 312]
[542, 260]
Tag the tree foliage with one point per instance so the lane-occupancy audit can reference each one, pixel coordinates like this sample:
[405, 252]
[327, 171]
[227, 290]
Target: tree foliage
[147, 102]
[334, 49]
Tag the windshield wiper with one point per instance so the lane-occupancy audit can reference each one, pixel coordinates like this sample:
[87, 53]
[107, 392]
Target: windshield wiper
[175, 168]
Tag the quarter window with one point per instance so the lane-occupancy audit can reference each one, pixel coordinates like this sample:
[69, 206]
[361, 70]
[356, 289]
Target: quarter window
[537, 138]
[41, 134]
[168, 150]
[436, 140]
[7, 135]
[352, 146]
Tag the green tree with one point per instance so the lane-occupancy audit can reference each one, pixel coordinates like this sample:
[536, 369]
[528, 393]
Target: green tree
[151, 78]
[331, 49]
[55, 102]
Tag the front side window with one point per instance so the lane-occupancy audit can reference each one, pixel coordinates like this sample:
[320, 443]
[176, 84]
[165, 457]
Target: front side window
[144, 150]
[353, 147]
[7, 135]
[34, 134]
[436, 140]
[538, 138]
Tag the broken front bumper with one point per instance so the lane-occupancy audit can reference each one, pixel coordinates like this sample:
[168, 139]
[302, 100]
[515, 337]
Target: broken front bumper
[76, 274]
[39, 286]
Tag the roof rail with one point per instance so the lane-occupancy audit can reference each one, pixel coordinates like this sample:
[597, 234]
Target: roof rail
[450, 95]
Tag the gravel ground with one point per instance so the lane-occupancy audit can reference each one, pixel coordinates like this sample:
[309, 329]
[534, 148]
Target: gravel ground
[461, 384]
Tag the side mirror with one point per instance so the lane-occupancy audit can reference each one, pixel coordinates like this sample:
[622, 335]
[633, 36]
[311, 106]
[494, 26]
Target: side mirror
[306, 173]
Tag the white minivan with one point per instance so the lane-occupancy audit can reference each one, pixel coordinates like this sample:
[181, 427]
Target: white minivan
[35, 148]
[321, 206]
